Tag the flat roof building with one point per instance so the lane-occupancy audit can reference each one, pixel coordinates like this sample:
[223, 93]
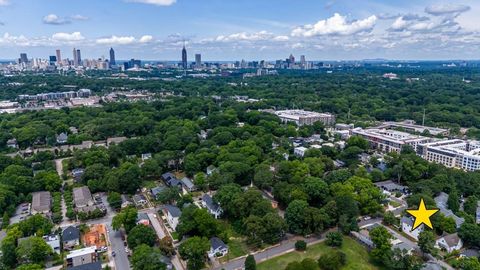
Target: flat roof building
[387, 140]
[460, 154]
[410, 126]
[82, 197]
[301, 117]
[41, 202]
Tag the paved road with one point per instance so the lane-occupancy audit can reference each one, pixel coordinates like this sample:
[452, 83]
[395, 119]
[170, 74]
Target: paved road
[116, 245]
[284, 247]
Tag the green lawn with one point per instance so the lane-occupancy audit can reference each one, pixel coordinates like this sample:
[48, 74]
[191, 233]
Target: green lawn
[357, 256]
[236, 248]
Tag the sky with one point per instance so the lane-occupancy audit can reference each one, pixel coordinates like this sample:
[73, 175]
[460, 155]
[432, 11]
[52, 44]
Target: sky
[246, 29]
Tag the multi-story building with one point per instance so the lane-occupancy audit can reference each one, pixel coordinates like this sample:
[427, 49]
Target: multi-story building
[184, 57]
[112, 58]
[387, 140]
[301, 117]
[198, 60]
[454, 153]
[410, 126]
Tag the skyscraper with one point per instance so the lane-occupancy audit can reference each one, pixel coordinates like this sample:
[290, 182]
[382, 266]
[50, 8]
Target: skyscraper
[303, 62]
[112, 57]
[291, 59]
[59, 57]
[75, 58]
[198, 60]
[52, 60]
[184, 57]
[79, 57]
[23, 58]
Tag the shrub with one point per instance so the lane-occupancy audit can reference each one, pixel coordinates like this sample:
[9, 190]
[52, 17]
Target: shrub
[301, 245]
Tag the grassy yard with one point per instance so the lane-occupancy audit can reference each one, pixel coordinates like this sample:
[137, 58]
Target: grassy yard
[236, 248]
[357, 256]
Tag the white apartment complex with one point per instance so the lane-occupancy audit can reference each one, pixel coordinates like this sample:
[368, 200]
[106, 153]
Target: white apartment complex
[410, 126]
[387, 140]
[453, 153]
[301, 117]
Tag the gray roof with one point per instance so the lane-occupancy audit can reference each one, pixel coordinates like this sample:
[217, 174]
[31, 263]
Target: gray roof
[187, 182]
[88, 266]
[216, 242]
[157, 190]
[41, 201]
[451, 239]
[62, 136]
[173, 210]
[441, 201]
[167, 176]
[407, 220]
[389, 185]
[82, 195]
[211, 205]
[70, 233]
[142, 216]
[470, 253]
[137, 198]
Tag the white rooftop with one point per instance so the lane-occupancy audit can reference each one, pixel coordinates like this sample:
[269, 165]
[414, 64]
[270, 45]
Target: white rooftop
[81, 252]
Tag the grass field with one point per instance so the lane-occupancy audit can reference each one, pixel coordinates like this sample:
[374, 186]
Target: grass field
[357, 256]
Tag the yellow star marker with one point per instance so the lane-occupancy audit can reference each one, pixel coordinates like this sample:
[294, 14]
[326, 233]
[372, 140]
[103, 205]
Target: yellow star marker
[422, 215]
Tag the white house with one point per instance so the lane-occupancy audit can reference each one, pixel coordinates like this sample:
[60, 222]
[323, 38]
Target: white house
[213, 208]
[407, 225]
[449, 242]
[172, 213]
[300, 151]
[53, 241]
[217, 248]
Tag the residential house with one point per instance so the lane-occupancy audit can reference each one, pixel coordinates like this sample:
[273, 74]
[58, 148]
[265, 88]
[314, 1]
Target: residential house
[115, 140]
[88, 266]
[300, 151]
[156, 191]
[217, 248]
[146, 156]
[171, 180]
[172, 213]
[70, 237]
[82, 256]
[53, 241]
[142, 218]
[187, 185]
[126, 201]
[62, 138]
[41, 202]
[363, 236]
[73, 130]
[470, 253]
[391, 187]
[82, 197]
[12, 143]
[449, 242]
[441, 201]
[211, 169]
[139, 200]
[212, 207]
[407, 225]
[77, 174]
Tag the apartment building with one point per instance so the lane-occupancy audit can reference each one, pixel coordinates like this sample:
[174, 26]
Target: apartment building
[387, 140]
[455, 153]
[301, 117]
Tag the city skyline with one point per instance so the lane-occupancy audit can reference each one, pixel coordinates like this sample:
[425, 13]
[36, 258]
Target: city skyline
[219, 30]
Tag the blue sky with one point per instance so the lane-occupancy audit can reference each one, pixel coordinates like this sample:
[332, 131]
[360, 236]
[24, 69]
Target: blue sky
[247, 29]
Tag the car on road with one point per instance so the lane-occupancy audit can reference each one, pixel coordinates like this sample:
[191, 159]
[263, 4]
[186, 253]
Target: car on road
[114, 254]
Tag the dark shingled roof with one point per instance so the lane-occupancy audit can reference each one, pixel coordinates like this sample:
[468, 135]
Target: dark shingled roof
[88, 266]
[174, 211]
[70, 233]
[217, 243]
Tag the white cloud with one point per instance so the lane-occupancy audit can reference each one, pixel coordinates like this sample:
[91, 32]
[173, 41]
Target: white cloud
[249, 37]
[438, 10]
[4, 2]
[336, 25]
[75, 36]
[116, 40]
[145, 39]
[79, 17]
[8, 39]
[55, 20]
[155, 2]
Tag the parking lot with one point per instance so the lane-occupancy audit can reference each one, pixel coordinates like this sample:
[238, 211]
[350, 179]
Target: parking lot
[21, 213]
